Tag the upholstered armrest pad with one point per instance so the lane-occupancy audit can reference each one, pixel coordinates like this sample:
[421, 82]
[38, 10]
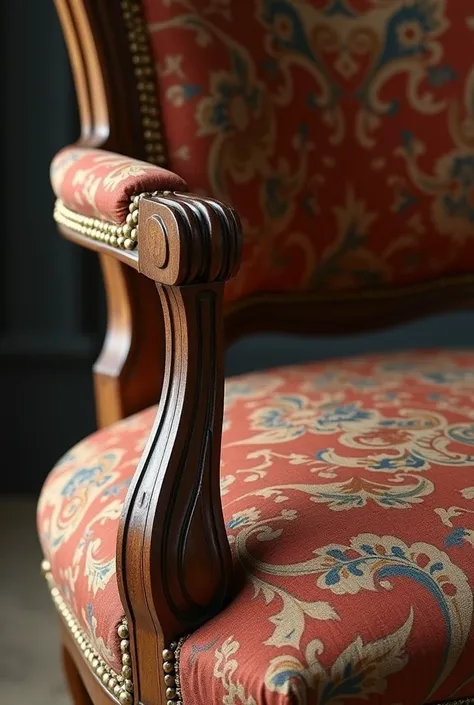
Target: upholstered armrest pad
[99, 184]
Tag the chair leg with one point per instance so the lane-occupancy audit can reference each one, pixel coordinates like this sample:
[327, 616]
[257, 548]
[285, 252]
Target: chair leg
[77, 689]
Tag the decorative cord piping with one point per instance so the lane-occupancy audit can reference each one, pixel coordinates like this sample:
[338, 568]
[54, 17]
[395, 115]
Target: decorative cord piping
[171, 673]
[118, 685]
[144, 70]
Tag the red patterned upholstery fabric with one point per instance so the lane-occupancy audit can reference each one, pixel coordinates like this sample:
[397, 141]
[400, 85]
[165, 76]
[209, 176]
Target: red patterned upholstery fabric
[348, 493]
[99, 184]
[342, 131]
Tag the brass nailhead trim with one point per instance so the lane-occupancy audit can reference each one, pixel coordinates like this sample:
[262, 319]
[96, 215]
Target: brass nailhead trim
[120, 686]
[143, 67]
[123, 237]
[171, 673]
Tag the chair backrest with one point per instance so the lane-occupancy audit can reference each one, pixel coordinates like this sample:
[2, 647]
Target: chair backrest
[341, 130]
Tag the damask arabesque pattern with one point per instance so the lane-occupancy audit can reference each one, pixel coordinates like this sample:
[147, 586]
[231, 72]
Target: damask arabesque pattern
[348, 491]
[100, 185]
[341, 130]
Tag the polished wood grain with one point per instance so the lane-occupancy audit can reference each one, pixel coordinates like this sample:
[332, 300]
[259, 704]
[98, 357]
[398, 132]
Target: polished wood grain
[135, 334]
[77, 689]
[109, 108]
[307, 313]
[173, 557]
[84, 686]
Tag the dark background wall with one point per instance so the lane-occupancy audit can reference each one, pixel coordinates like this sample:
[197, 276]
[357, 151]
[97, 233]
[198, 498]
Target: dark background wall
[50, 300]
[51, 304]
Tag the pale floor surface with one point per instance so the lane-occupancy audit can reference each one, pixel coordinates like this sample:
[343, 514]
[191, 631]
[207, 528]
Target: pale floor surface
[30, 670]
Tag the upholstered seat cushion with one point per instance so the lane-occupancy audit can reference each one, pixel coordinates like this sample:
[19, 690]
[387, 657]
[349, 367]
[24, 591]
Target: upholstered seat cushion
[348, 493]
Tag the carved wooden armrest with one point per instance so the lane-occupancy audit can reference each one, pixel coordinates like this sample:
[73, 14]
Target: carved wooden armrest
[173, 557]
[173, 554]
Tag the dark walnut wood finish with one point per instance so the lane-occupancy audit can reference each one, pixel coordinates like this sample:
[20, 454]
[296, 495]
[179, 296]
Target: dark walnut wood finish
[173, 557]
[84, 686]
[172, 553]
[128, 374]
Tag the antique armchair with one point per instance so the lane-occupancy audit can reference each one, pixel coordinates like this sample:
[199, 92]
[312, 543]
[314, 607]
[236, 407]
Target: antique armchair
[308, 536]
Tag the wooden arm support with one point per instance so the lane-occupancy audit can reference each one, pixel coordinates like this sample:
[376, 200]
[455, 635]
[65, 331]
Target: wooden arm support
[173, 558]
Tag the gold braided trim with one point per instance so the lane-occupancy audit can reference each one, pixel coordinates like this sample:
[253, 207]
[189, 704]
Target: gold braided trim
[118, 685]
[143, 66]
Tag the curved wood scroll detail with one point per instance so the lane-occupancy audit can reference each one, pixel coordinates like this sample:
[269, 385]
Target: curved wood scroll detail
[187, 239]
[128, 374]
[172, 551]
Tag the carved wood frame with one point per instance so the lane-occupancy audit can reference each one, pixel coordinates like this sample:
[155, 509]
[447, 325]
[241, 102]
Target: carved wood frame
[173, 556]
[115, 85]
